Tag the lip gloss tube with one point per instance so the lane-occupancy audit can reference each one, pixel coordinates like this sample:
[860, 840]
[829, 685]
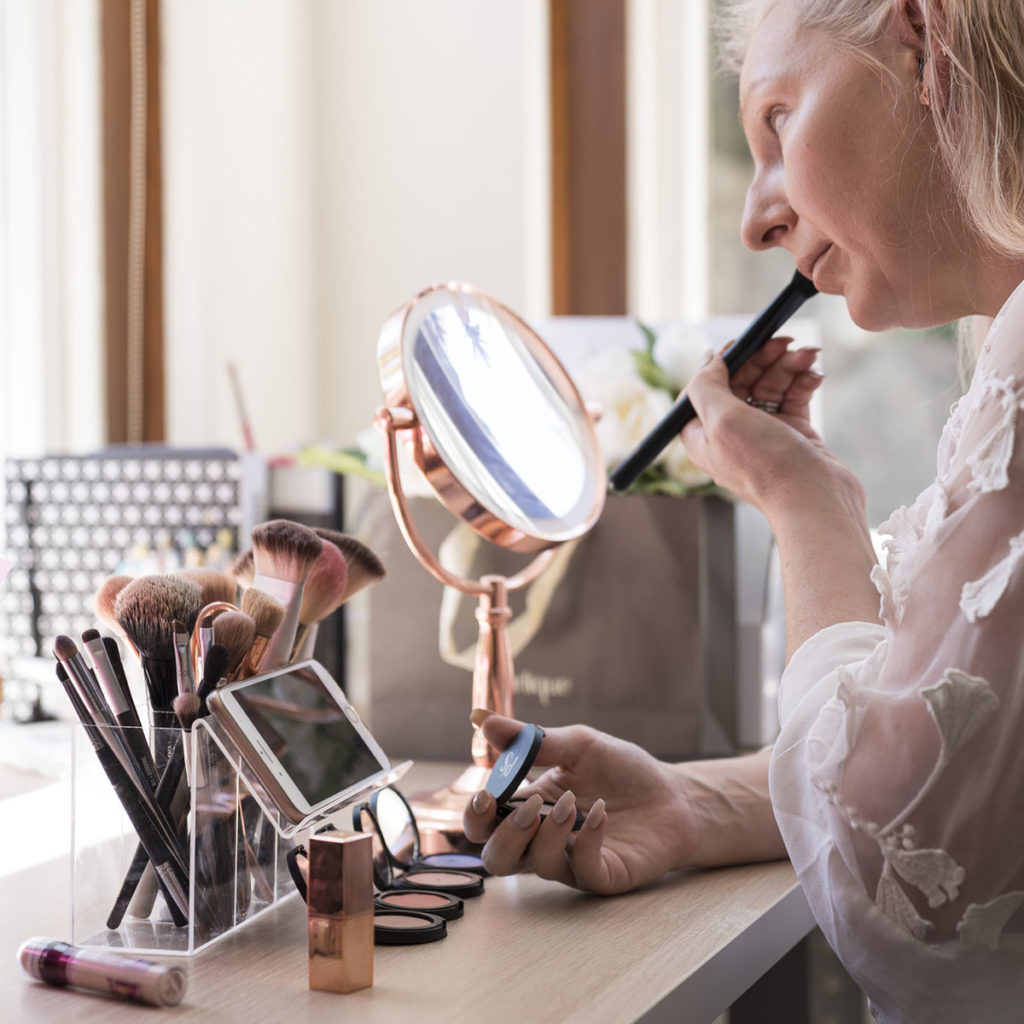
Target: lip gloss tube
[339, 896]
[58, 963]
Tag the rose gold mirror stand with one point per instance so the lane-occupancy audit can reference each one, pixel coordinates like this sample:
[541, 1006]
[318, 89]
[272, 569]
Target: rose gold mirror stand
[493, 677]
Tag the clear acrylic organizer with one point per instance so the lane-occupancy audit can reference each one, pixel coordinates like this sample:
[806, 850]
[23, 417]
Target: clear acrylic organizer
[232, 854]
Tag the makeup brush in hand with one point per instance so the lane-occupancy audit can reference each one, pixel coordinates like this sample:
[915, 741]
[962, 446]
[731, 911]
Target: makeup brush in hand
[267, 613]
[145, 610]
[283, 555]
[324, 591]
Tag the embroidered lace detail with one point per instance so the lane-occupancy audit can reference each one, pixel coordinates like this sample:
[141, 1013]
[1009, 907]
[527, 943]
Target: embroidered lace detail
[983, 923]
[979, 597]
[959, 703]
[991, 458]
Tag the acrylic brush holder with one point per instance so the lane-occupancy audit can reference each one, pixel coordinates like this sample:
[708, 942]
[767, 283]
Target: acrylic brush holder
[233, 858]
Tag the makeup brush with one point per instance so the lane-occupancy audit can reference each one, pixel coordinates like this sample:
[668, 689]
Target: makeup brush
[242, 569]
[169, 874]
[785, 304]
[202, 635]
[183, 673]
[121, 707]
[145, 610]
[216, 586]
[283, 555]
[364, 567]
[236, 632]
[186, 710]
[324, 591]
[266, 613]
[104, 601]
[214, 670]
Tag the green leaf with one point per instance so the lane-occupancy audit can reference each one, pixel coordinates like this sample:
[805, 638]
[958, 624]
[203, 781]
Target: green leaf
[651, 373]
[346, 462]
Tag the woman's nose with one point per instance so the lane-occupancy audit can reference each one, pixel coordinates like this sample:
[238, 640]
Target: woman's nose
[767, 216]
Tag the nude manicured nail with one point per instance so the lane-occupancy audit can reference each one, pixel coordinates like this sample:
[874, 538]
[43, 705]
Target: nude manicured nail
[526, 814]
[481, 801]
[563, 807]
[595, 815]
[478, 717]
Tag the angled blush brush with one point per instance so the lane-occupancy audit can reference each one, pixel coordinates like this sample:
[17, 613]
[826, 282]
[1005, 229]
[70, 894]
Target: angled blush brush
[283, 555]
[364, 567]
[266, 613]
[323, 592]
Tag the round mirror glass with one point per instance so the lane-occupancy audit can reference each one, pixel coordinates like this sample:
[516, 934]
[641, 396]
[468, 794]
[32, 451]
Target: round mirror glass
[397, 827]
[502, 414]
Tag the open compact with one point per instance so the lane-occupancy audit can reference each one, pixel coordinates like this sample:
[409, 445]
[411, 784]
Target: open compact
[397, 861]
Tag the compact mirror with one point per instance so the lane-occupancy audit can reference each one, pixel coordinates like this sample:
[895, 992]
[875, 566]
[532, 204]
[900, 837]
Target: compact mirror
[495, 424]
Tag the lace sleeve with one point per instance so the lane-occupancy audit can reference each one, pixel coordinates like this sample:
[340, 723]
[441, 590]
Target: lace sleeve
[898, 773]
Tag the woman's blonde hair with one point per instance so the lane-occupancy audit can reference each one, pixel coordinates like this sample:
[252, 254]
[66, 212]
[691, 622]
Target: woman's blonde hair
[979, 114]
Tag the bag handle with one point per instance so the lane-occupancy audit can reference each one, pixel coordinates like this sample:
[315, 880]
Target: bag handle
[456, 554]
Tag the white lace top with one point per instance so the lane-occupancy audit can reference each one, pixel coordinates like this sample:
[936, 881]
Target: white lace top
[898, 776]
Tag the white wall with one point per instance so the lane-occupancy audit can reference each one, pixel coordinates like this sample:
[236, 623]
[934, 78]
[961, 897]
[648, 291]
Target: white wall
[325, 161]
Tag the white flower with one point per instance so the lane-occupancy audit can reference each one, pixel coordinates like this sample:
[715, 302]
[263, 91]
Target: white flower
[983, 923]
[896, 905]
[679, 349]
[934, 872]
[629, 407]
[679, 466]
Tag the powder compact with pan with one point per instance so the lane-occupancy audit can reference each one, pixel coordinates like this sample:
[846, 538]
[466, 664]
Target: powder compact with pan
[397, 861]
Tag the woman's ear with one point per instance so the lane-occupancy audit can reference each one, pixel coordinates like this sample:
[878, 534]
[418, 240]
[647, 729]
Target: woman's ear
[908, 22]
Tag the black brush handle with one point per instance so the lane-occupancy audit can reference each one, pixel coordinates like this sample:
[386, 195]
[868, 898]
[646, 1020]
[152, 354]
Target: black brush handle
[170, 779]
[785, 304]
[170, 873]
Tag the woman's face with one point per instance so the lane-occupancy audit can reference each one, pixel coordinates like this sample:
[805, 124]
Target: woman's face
[846, 177]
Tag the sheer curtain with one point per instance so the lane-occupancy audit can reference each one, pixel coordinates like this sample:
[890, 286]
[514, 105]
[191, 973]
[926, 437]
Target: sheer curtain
[50, 228]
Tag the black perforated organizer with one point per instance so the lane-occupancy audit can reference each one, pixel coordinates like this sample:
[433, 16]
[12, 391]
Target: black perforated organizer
[71, 520]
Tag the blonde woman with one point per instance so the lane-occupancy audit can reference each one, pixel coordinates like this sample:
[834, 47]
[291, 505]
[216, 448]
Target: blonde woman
[888, 142]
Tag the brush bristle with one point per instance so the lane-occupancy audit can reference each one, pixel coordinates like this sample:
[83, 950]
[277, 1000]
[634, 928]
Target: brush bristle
[364, 567]
[216, 586]
[283, 550]
[242, 569]
[186, 708]
[89, 635]
[325, 585]
[207, 621]
[146, 608]
[215, 664]
[235, 631]
[105, 598]
[64, 648]
[266, 611]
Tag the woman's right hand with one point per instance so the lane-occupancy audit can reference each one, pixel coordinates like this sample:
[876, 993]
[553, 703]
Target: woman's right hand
[637, 825]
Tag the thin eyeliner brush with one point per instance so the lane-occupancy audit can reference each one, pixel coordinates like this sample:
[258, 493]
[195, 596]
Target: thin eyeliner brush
[785, 304]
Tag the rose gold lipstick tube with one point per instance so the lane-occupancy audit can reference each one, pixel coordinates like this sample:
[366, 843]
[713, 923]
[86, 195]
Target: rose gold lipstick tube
[340, 911]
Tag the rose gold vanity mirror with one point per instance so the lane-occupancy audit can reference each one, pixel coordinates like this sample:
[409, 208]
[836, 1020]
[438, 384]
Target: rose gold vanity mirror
[495, 424]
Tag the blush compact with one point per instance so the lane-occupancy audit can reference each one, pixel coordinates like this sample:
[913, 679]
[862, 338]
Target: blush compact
[406, 927]
[424, 901]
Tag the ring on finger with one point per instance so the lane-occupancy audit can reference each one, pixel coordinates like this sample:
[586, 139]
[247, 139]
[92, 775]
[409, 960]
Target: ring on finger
[764, 404]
